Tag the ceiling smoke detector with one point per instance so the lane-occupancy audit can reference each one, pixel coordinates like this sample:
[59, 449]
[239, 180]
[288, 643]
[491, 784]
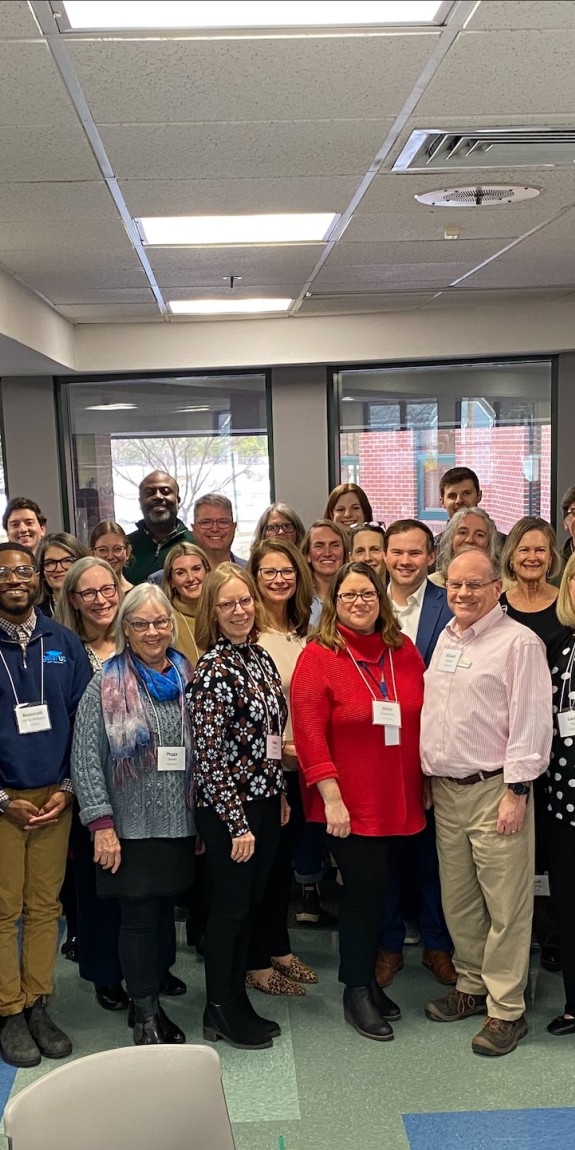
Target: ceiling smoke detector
[491, 196]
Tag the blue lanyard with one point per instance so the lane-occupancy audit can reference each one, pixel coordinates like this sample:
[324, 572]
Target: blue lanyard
[381, 685]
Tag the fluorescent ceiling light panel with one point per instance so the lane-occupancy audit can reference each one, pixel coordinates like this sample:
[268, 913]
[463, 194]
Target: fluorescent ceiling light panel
[122, 14]
[111, 406]
[227, 306]
[201, 231]
[203, 408]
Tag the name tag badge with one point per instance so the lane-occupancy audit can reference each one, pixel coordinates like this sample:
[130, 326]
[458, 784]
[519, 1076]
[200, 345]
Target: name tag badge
[32, 717]
[566, 723]
[171, 758]
[449, 660]
[273, 747]
[392, 736]
[385, 714]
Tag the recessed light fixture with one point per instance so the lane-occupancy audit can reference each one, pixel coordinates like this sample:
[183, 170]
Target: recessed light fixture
[205, 407]
[200, 231]
[227, 306]
[111, 406]
[116, 14]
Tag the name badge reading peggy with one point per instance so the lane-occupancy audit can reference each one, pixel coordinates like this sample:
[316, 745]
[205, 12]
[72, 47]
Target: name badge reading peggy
[32, 717]
[273, 747]
[171, 758]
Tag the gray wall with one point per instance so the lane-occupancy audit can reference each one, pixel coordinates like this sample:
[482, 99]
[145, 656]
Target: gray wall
[31, 460]
[300, 437]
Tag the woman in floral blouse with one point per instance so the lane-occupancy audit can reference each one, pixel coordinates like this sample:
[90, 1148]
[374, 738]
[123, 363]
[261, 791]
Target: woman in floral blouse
[238, 715]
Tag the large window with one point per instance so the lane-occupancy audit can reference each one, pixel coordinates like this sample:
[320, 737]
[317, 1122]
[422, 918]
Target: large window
[402, 428]
[209, 432]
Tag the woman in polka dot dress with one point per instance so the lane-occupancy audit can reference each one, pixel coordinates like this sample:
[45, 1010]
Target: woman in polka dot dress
[560, 782]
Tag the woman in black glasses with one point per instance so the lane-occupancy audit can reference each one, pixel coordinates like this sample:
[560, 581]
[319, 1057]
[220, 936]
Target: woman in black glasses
[356, 698]
[57, 553]
[279, 521]
[238, 714]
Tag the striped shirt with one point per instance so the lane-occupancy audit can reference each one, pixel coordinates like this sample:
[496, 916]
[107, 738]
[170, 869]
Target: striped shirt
[495, 709]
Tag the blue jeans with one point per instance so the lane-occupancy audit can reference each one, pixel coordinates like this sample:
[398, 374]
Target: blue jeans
[416, 855]
[309, 858]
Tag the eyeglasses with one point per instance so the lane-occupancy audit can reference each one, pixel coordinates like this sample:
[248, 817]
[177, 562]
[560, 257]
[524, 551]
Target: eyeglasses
[25, 571]
[53, 564]
[570, 513]
[162, 623]
[229, 605]
[351, 596]
[109, 591]
[469, 584]
[206, 524]
[103, 552]
[279, 529]
[268, 574]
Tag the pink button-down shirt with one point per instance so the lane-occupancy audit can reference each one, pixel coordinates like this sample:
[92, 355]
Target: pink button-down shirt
[495, 709]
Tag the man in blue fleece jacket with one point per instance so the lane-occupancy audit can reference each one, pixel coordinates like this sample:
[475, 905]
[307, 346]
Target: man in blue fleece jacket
[44, 671]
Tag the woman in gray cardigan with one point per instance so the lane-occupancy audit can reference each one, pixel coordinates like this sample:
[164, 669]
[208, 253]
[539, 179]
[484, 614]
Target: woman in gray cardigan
[131, 766]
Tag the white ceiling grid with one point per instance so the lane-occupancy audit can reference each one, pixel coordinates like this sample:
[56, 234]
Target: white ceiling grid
[264, 124]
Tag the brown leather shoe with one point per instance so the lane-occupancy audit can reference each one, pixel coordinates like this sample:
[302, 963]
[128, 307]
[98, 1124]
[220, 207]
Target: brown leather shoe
[440, 964]
[387, 966]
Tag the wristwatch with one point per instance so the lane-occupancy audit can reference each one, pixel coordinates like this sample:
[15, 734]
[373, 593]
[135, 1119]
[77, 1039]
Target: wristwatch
[4, 804]
[519, 788]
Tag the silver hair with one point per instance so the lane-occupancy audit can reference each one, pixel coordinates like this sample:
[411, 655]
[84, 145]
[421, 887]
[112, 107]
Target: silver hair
[446, 553]
[138, 597]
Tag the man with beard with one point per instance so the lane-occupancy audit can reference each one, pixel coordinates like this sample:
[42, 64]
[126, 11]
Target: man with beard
[159, 529]
[44, 671]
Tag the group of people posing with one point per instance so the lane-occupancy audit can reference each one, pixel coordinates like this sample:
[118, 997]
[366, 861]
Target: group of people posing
[177, 719]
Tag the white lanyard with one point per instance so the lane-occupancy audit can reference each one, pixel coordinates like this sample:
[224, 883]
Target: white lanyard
[259, 691]
[567, 678]
[18, 704]
[368, 685]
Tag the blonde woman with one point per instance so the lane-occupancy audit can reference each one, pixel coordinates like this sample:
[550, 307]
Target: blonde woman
[185, 569]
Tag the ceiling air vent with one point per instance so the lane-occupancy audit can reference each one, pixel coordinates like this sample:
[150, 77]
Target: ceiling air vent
[437, 149]
[493, 195]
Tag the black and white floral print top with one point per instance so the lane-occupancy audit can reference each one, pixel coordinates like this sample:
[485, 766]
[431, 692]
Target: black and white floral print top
[560, 777]
[235, 700]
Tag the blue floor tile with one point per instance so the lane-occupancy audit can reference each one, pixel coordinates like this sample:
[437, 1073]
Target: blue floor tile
[7, 1076]
[492, 1130]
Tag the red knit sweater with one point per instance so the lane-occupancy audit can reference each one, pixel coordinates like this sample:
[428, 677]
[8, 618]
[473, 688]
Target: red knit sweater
[331, 706]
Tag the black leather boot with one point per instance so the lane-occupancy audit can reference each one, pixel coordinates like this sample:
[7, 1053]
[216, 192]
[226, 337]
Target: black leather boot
[266, 1025]
[390, 1010]
[229, 1022]
[147, 1022]
[172, 1033]
[360, 1010]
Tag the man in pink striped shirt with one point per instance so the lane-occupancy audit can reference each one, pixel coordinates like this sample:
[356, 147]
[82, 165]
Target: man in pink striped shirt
[486, 731]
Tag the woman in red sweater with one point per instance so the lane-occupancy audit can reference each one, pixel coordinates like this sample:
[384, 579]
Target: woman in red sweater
[356, 698]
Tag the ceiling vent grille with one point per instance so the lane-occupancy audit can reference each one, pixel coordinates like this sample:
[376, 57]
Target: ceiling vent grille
[494, 196]
[435, 149]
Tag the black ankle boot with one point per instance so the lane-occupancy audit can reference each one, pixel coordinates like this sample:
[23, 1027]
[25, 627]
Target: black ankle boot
[266, 1025]
[360, 1010]
[172, 1033]
[147, 1022]
[229, 1022]
[390, 1010]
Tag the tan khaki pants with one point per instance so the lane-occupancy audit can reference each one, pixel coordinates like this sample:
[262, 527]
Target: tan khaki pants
[486, 891]
[32, 865]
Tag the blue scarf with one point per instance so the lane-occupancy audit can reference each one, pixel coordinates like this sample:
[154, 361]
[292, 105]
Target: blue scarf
[162, 685]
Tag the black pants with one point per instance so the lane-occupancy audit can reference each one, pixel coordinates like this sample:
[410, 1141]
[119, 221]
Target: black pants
[561, 845]
[270, 935]
[146, 942]
[234, 891]
[98, 920]
[363, 864]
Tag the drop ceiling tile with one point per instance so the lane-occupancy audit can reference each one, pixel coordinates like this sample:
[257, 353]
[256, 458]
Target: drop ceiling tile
[429, 224]
[51, 152]
[528, 273]
[499, 14]
[17, 21]
[555, 240]
[468, 298]
[365, 254]
[251, 194]
[148, 151]
[21, 203]
[364, 303]
[60, 276]
[201, 266]
[385, 277]
[520, 72]
[220, 290]
[395, 191]
[31, 89]
[71, 238]
[193, 80]
[108, 296]
[110, 313]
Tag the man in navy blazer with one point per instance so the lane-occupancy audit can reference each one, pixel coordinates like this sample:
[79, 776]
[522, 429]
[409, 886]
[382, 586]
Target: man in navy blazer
[421, 609]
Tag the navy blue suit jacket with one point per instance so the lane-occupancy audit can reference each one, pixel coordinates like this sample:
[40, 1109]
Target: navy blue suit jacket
[435, 614]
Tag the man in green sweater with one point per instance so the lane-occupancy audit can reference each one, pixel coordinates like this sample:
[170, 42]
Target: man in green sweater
[159, 529]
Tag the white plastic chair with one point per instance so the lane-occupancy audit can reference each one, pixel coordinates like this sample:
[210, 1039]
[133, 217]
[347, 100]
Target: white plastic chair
[134, 1098]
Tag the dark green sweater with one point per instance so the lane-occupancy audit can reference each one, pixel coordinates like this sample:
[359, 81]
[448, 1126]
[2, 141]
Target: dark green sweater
[148, 555]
